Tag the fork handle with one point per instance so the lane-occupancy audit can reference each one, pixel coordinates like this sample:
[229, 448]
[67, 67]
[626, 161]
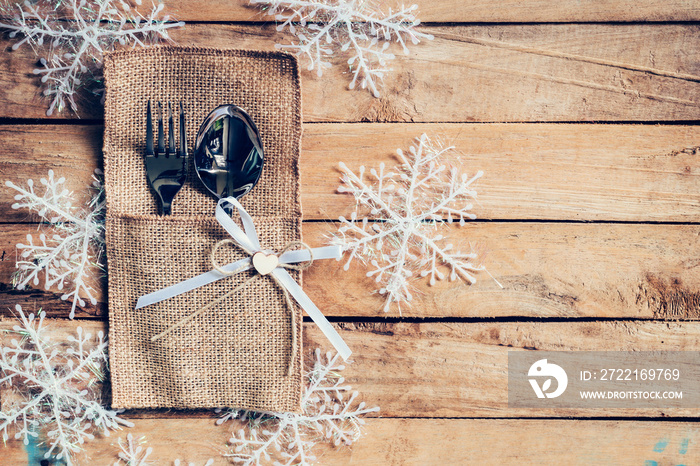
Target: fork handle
[166, 207]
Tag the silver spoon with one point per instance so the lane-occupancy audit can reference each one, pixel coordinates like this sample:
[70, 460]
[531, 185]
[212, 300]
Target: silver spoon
[228, 152]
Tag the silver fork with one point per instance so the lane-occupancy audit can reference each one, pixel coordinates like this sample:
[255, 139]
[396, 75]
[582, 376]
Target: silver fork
[166, 169]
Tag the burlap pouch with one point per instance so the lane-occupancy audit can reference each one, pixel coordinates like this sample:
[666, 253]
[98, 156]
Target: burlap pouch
[236, 354]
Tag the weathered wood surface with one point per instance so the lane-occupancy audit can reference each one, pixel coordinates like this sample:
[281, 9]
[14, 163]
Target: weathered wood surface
[476, 11]
[545, 172]
[547, 270]
[456, 11]
[553, 171]
[432, 441]
[626, 172]
[431, 370]
[644, 268]
[491, 73]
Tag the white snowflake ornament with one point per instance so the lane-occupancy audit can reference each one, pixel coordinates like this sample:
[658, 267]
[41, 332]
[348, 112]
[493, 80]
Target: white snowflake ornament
[329, 412]
[75, 47]
[135, 453]
[320, 27]
[132, 452]
[70, 255]
[396, 213]
[53, 392]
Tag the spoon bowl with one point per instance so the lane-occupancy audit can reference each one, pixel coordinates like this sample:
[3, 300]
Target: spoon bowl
[228, 152]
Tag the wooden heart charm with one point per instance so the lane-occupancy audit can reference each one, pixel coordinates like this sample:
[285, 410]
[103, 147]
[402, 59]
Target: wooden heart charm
[265, 263]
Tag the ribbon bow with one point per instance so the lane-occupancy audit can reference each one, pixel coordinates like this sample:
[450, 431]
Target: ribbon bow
[247, 239]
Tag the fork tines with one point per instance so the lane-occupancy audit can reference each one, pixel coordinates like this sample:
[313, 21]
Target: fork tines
[183, 136]
[166, 170]
[180, 151]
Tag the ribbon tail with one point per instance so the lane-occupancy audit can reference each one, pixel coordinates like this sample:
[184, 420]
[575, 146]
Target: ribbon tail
[316, 315]
[191, 284]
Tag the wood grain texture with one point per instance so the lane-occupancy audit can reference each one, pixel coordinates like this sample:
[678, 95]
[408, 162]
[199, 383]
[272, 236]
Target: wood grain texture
[622, 172]
[29, 152]
[550, 171]
[540, 182]
[626, 172]
[547, 270]
[398, 442]
[475, 11]
[432, 370]
[472, 11]
[540, 72]
[460, 369]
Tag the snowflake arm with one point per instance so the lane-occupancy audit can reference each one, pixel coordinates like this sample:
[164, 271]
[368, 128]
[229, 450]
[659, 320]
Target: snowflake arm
[402, 205]
[322, 26]
[327, 412]
[459, 188]
[132, 453]
[69, 256]
[75, 47]
[359, 239]
[377, 197]
[135, 453]
[436, 254]
[55, 392]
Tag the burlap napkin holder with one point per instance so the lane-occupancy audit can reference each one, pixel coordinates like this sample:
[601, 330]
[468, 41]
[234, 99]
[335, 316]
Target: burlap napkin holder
[237, 354]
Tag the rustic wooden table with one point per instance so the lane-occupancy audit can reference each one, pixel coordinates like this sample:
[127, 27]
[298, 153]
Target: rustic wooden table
[583, 116]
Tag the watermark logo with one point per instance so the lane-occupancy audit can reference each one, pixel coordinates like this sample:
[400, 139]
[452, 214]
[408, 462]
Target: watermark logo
[541, 369]
[603, 379]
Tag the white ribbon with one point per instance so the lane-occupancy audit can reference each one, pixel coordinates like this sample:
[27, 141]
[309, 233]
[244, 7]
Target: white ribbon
[248, 241]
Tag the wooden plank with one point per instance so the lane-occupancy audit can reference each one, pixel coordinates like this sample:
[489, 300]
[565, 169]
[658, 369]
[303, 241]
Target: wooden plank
[547, 270]
[29, 152]
[432, 441]
[451, 369]
[460, 369]
[532, 72]
[474, 11]
[456, 11]
[623, 172]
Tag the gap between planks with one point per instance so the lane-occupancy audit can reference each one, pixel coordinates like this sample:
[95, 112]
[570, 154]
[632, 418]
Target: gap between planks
[531, 72]
[612, 270]
[584, 271]
[459, 370]
[433, 441]
[626, 173]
